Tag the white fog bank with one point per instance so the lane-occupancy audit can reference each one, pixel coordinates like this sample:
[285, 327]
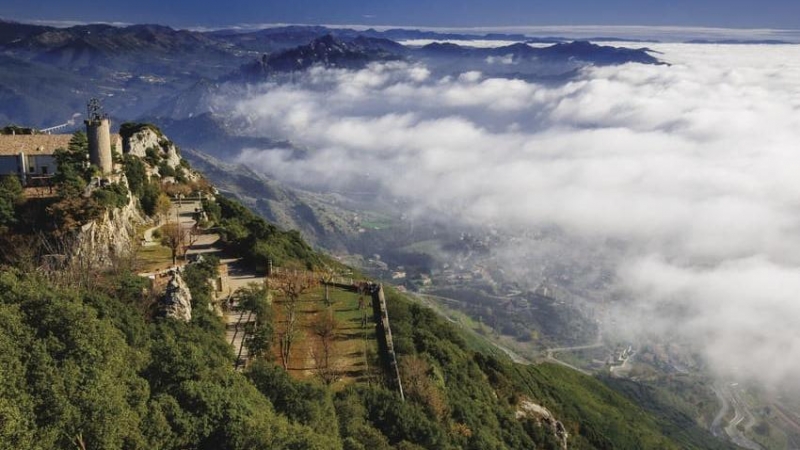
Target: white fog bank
[693, 165]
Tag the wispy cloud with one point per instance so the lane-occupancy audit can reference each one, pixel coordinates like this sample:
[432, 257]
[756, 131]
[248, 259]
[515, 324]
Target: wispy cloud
[70, 23]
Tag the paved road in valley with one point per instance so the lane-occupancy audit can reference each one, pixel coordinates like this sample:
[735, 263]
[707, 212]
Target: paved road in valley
[729, 398]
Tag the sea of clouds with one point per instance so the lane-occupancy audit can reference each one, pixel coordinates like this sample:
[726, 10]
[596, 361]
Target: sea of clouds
[693, 166]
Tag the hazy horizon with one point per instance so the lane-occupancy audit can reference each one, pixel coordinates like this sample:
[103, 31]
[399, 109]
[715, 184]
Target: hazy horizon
[644, 33]
[774, 14]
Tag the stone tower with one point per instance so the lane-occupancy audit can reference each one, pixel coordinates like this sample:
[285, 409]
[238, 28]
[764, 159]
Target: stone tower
[98, 132]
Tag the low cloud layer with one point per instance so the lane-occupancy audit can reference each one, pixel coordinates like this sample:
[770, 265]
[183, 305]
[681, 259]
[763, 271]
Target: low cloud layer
[692, 166]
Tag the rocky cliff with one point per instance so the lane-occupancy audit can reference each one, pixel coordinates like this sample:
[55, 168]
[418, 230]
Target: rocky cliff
[103, 241]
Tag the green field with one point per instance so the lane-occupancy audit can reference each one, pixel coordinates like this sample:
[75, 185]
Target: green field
[355, 348]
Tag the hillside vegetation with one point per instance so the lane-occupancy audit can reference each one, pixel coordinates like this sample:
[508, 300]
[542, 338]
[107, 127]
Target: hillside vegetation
[91, 365]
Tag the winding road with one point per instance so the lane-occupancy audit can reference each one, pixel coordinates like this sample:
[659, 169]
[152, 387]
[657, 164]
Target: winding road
[729, 398]
[550, 352]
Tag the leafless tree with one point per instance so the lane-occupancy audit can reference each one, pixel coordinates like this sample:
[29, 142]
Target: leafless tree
[291, 283]
[173, 236]
[325, 327]
[327, 365]
[327, 279]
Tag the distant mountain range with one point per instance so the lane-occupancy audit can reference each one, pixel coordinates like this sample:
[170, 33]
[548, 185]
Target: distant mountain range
[328, 51]
[357, 52]
[156, 71]
[583, 51]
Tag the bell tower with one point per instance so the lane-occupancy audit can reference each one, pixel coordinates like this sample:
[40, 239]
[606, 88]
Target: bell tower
[99, 136]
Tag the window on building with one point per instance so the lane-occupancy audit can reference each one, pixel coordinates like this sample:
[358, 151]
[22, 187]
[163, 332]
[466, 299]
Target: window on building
[44, 170]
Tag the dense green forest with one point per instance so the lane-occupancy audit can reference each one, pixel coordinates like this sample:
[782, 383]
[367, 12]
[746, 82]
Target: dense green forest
[93, 366]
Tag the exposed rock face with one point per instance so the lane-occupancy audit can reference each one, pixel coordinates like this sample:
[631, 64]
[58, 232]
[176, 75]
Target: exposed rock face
[530, 410]
[172, 156]
[138, 143]
[177, 300]
[102, 241]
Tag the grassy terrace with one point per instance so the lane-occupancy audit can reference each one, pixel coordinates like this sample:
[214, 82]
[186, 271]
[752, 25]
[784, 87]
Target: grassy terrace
[153, 258]
[355, 349]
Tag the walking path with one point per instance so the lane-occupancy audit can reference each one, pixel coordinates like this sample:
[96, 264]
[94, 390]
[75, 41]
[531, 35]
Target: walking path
[236, 320]
[182, 213]
[235, 332]
[238, 276]
[148, 236]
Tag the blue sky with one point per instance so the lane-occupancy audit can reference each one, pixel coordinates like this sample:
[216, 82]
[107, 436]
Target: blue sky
[427, 13]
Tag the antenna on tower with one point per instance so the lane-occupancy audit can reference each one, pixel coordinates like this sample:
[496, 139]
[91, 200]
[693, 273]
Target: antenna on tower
[94, 110]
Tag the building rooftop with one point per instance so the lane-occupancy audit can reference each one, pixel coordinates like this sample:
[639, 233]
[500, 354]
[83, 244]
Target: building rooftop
[38, 144]
[33, 144]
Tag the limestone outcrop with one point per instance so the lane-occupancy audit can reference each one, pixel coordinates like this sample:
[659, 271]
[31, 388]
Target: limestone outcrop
[147, 138]
[103, 241]
[527, 409]
[177, 300]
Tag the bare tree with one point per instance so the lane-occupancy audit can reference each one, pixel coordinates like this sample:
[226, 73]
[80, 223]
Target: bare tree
[194, 234]
[325, 327]
[327, 365]
[291, 283]
[327, 279]
[173, 236]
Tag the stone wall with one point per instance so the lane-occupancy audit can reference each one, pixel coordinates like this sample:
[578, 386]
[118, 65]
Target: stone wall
[383, 333]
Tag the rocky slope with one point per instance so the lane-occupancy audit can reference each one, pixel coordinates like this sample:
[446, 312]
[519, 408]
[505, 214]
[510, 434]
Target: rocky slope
[103, 241]
[137, 141]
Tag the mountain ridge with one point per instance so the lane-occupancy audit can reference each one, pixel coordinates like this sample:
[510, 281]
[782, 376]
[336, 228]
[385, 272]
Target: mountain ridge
[139, 69]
